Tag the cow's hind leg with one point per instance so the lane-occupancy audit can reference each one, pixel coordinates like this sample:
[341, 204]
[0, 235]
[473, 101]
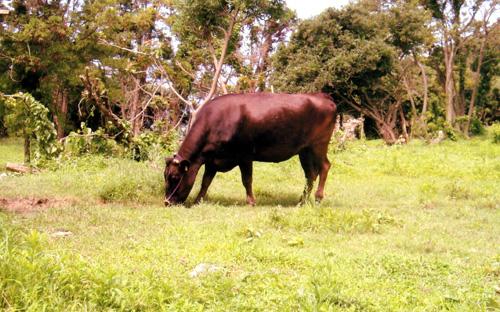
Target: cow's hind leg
[323, 166]
[246, 178]
[208, 176]
[310, 170]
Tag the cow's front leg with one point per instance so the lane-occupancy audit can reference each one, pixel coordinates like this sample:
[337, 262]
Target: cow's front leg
[208, 176]
[246, 178]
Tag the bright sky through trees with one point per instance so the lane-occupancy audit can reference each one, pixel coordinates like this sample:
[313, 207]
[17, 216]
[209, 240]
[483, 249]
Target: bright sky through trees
[309, 8]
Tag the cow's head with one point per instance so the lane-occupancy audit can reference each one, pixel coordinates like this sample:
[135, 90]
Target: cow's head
[179, 179]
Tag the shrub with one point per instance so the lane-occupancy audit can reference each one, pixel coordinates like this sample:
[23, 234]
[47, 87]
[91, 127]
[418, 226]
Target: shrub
[26, 116]
[494, 132]
[149, 145]
[436, 121]
[86, 141]
[477, 127]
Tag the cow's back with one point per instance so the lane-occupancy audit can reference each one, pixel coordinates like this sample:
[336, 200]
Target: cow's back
[266, 126]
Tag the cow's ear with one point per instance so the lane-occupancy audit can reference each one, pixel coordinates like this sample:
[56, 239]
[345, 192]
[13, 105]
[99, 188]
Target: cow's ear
[168, 160]
[184, 165]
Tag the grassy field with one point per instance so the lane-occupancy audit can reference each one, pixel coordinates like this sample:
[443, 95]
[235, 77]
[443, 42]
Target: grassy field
[402, 228]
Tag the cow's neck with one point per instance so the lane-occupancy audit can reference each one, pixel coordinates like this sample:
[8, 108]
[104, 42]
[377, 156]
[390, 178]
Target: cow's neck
[193, 143]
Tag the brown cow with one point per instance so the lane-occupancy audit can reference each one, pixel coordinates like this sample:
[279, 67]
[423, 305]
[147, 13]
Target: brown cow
[237, 129]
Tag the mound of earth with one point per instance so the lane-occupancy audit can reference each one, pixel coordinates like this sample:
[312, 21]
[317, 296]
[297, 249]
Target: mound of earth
[27, 205]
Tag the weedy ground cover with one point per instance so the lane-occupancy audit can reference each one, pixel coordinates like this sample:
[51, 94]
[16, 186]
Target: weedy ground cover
[403, 228]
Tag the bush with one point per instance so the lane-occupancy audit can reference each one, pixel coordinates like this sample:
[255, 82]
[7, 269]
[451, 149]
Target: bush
[494, 132]
[436, 121]
[477, 127]
[149, 145]
[26, 116]
[85, 141]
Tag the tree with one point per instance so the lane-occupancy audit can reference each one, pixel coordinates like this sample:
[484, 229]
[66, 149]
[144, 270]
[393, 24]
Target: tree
[482, 34]
[26, 116]
[453, 20]
[348, 54]
[259, 41]
[210, 35]
[131, 40]
[409, 26]
[41, 54]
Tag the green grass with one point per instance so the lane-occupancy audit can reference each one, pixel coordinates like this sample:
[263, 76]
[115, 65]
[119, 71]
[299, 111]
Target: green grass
[402, 228]
[11, 150]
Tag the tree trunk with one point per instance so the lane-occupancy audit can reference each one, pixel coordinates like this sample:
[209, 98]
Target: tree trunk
[403, 123]
[60, 104]
[426, 86]
[475, 87]
[449, 56]
[135, 106]
[27, 149]
[387, 132]
[413, 107]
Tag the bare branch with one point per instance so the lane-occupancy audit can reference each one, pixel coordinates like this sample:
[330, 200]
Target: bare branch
[104, 42]
[185, 70]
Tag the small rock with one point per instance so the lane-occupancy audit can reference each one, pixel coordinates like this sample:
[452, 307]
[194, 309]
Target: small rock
[61, 234]
[203, 268]
[440, 137]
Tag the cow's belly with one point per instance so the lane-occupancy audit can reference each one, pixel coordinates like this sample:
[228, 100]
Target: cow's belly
[259, 147]
[275, 154]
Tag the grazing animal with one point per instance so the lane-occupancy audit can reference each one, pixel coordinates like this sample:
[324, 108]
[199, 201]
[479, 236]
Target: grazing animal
[237, 129]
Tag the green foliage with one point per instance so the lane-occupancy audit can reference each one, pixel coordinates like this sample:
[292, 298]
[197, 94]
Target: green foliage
[477, 127]
[339, 51]
[355, 55]
[149, 145]
[494, 132]
[27, 117]
[436, 121]
[3, 129]
[86, 141]
[153, 145]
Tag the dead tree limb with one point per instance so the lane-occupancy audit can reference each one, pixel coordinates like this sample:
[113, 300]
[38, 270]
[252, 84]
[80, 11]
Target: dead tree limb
[94, 93]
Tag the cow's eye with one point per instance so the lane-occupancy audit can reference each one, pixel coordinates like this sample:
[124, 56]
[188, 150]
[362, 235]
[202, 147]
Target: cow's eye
[174, 178]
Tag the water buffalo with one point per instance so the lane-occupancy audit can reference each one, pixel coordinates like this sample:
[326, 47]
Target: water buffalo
[237, 129]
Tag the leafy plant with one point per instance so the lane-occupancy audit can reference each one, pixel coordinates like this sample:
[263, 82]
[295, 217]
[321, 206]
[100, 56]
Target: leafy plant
[494, 132]
[26, 116]
[86, 141]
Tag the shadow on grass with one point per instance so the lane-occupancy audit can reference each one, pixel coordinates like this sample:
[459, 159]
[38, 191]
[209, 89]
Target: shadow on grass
[283, 199]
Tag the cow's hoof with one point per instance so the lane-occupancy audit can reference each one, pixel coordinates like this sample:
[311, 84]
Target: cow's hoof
[200, 200]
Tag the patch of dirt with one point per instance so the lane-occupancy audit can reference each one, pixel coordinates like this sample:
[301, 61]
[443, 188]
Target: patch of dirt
[29, 205]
